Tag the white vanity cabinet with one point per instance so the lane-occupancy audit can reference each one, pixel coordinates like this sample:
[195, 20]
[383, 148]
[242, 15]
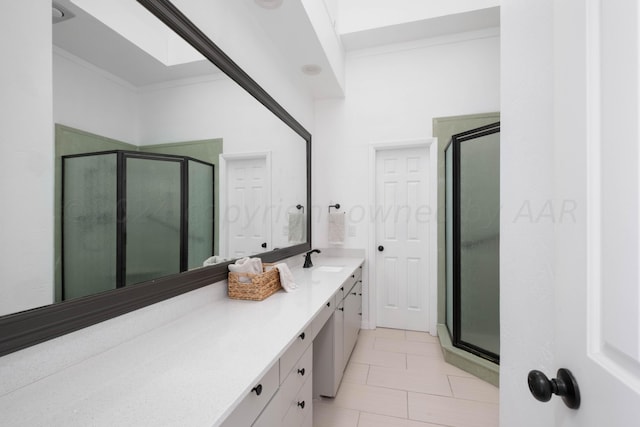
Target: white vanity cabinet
[292, 405]
[352, 319]
[335, 342]
[287, 387]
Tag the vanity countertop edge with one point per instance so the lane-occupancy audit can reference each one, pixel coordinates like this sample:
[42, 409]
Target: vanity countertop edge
[191, 371]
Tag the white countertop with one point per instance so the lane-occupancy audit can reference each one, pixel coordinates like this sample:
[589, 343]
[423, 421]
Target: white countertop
[193, 371]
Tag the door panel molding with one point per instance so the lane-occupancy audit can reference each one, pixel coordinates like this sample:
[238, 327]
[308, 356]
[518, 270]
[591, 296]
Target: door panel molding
[613, 303]
[223, 198]
[370, 315]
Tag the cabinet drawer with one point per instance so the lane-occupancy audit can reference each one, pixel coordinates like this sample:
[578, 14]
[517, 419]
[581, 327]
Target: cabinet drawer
[295, 350]
[300, 407]
[255, 400]
[322, 317]
[299, 374]
[358, 273]
[350, 282]
[272, 414]
[308, 422]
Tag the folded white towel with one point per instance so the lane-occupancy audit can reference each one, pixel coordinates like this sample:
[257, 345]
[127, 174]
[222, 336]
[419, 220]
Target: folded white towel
[246, 265]
[336, 228]
[286, 277]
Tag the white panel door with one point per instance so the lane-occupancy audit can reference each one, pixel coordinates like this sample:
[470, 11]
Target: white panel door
[402, 238]
[248, 213]
[596, 212]
[598, 258]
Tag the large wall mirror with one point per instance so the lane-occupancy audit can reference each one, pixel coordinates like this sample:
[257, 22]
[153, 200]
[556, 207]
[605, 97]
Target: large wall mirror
[170, 163]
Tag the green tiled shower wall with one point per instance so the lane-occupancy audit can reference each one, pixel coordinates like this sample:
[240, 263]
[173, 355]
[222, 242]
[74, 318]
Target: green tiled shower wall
[70, 141]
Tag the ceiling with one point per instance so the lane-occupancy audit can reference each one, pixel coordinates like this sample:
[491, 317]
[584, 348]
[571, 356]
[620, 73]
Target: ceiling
[291, 27]
[423, 29]
[89, 39]
[301, 37]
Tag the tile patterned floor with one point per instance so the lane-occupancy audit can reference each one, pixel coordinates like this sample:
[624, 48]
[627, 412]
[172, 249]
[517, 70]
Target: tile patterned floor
[399, 378]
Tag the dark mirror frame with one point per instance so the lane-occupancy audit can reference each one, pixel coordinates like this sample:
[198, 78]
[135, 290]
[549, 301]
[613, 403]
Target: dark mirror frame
[31, 327]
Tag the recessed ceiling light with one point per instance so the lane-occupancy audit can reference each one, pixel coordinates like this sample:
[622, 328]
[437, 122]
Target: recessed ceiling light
[269, 4]
[311, 69]
[56, 13]
[59, 13]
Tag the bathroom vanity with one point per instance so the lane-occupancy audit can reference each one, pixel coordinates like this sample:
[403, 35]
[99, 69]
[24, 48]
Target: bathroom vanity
[224, 363]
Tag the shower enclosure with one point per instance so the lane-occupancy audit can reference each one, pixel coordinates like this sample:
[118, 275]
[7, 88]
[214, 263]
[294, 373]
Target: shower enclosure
[472, 202]
[130, 217]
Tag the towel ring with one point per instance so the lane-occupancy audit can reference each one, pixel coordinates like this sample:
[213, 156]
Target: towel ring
[337, 206]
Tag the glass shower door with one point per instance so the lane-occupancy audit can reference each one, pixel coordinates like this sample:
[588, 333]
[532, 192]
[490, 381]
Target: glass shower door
[473, 238]
[200, 208]
[89, 221]
[153, 219]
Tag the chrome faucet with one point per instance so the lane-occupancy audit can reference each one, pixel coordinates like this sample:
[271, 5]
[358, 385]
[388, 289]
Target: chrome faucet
[307, 258]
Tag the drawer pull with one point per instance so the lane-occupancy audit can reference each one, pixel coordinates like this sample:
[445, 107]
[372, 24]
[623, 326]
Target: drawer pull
[301, 404]
[329, 304]
[360, 294]
[257, 389]
[354, 293]
[341, 308]
[342, 288]
[359, 314]
[301, 336]
[353, 276]
[301, 372]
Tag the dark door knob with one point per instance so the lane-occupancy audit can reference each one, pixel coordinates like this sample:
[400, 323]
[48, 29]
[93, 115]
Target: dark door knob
[380, 248]
[264, 245]
[564, 385]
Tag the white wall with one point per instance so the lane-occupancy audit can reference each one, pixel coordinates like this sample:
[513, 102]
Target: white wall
[26, 157]
[526, 271]
[392, 95]
[359, 15]
[88, 98]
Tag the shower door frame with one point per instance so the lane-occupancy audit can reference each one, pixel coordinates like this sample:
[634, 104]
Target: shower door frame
[455, 142]
[121, 211]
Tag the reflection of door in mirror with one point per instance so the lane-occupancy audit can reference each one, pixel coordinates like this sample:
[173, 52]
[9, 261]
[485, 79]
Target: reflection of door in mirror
[246, 204]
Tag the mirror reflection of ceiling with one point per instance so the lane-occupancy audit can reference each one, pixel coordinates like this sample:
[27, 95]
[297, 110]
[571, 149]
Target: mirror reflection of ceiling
[124, 81]
[138, 49]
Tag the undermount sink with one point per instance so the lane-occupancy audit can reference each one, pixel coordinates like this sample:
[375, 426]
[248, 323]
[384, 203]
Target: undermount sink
[330, 268]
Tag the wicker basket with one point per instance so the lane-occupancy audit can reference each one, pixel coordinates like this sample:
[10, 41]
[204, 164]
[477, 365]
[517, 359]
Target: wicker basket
[258, 288]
